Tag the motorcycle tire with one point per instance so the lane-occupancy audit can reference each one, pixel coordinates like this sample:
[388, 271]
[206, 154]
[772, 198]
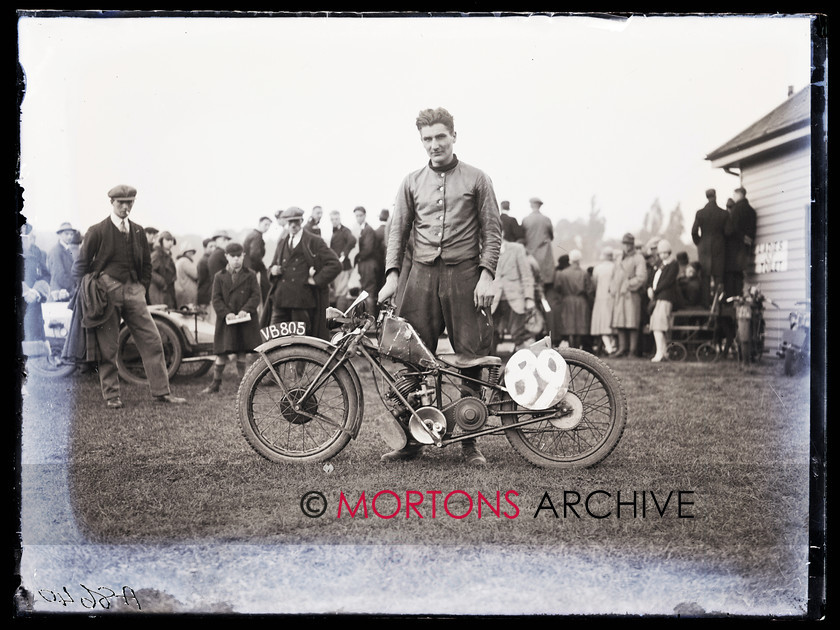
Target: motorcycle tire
[603, 409]
[130, 363]
[50, 366]
[270, 424]
[794, 362]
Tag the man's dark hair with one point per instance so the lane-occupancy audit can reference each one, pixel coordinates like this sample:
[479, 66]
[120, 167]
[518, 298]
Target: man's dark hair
[263, 219]
[384, 214]
[429, 117]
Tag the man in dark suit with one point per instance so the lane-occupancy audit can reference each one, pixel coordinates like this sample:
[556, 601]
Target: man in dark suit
[116, 250]
[708, 235]
[254, 246]
[313, 224]
[367, 260]
[301, 272]
[511, 230]
[342, 243]
[60, 263]
[381, 246]
[740, 236]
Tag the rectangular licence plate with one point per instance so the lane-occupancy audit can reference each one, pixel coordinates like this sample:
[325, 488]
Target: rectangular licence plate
[282, 329]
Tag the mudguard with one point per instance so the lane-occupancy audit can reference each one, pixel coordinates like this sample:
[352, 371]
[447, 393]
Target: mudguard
[303, 340]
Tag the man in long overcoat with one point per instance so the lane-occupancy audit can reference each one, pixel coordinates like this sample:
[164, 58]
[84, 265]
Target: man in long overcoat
[342, 243]
[740, 236]
[708, 234]
[254, 247]
[628, 281]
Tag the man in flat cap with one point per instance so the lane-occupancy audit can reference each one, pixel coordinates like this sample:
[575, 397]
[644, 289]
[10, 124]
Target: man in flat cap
[300, 275]
[218, 258]
[539, 236]
[626, 286]
[117, 252]
[448, 210]
[708, 235]
[60, 260]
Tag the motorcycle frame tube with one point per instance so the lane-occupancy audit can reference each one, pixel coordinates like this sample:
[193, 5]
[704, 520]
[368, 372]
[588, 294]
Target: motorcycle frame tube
[263, 349]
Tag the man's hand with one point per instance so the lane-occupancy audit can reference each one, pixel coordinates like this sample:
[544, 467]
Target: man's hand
[529, 304]
[483, 294]
[389, 289]
[275, 270]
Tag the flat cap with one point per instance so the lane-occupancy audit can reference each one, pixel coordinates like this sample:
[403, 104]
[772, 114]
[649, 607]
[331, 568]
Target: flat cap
[123, 193]
[150, 230]
[234, 249]
[221, 234]
[628, 238]
[536, 200]
[292, 214]
[64, 227]
[167, 235]
[575, 255]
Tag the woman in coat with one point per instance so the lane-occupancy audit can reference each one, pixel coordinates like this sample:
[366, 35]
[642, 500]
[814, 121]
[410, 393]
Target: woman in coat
[186, 283]
[574, 287]
[601, 323]
[162, 288]
[627, 282]
[663, 292]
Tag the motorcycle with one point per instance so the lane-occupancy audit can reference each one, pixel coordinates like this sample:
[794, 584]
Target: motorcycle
[302, 399]
[44, 357]
[795, 347]
[186, 335]
[749, 313]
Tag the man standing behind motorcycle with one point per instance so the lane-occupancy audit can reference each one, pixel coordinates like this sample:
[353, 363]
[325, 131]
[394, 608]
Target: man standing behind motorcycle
[449, 208]
[300, 275]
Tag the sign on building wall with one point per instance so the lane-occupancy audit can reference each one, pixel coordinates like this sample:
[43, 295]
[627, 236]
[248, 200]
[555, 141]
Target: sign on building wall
[771, 256]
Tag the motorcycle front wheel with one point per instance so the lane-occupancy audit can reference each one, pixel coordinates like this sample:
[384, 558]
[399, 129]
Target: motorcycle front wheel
[583, 437]
[277, 426]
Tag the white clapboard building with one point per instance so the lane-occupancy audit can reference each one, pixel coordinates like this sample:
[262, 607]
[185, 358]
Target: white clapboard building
[772, 158]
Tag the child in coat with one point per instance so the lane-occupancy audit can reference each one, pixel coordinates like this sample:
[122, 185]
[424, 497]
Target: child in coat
[235, 299]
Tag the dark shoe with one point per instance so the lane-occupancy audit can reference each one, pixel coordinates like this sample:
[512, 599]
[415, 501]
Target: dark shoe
[404, 454]
[213, 388]
[472, 455]
[172, 400]
[619, 354]
[114, 403]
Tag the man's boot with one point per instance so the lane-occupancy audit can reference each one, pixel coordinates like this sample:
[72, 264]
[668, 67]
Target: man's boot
[472, 455]
[213, 388]
[411, 450]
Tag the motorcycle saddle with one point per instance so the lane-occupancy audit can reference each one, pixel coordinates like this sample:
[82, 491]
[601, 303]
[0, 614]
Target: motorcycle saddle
[462, 361]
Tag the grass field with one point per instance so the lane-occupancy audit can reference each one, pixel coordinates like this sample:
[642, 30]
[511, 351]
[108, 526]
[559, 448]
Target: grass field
[736, 443]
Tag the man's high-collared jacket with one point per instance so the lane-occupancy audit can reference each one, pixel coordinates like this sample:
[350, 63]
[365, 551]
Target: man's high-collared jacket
[454, 214]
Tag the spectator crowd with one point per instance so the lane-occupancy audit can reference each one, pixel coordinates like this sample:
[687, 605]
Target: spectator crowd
[620, 305]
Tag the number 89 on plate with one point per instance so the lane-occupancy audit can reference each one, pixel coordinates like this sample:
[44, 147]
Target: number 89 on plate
[537, 380]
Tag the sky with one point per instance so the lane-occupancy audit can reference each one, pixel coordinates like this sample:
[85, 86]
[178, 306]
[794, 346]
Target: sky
[218, 121]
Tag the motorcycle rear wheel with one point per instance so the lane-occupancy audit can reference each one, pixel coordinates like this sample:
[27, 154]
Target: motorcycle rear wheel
[593, 438]
[271, 425]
